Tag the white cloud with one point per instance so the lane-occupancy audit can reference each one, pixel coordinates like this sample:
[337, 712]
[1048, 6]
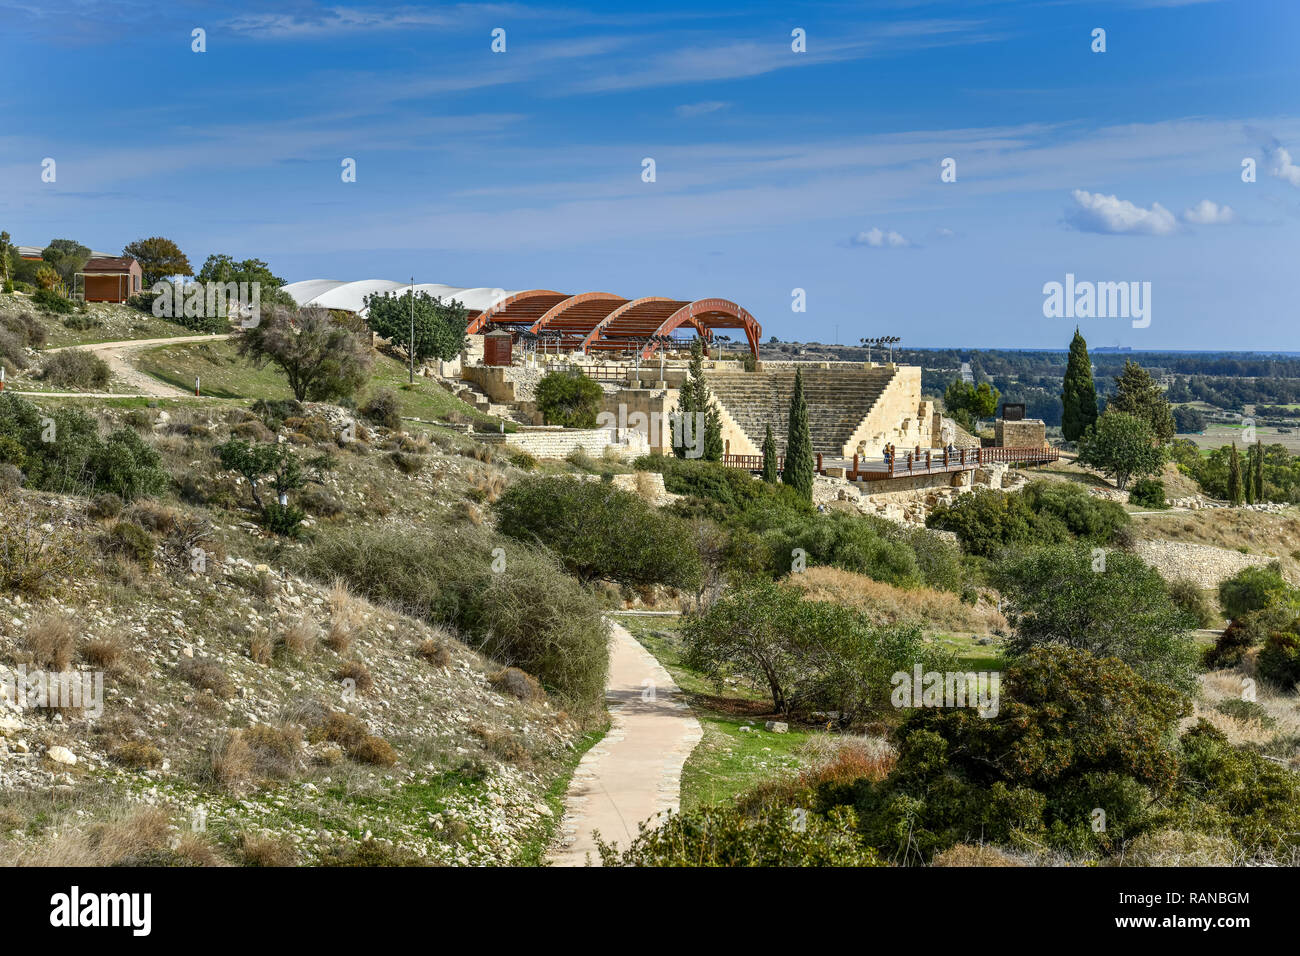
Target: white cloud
[1280, 165]
[1208, 213]
[688, 110]
[1110, 215]
[878, 238]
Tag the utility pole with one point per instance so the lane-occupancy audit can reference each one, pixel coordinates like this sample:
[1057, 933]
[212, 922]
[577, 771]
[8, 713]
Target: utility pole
[410, 351]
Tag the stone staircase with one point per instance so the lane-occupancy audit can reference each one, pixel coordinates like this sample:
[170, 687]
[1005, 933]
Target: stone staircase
[839, 400]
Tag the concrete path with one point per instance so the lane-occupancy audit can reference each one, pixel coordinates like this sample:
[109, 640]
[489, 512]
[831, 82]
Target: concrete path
[115, 354]
[636, 771]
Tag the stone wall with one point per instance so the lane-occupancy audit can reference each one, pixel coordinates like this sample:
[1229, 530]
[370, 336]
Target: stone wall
[548, 441]
[492, 381]
[1202, 563]
[1027, 433]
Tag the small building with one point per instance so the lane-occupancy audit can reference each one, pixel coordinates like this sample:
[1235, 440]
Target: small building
[111, 278]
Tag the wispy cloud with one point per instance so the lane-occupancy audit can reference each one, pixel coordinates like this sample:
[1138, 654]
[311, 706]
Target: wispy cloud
[688, 110]
[877, 238]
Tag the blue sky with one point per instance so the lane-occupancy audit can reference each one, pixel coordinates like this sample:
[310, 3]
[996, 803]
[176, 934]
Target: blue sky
[775, 170]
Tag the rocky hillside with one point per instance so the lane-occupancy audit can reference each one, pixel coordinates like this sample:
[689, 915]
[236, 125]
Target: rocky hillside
[258, 716]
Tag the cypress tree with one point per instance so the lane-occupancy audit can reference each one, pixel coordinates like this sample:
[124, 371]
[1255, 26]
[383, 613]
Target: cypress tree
[799, 463]
[1079, 393]
[693, 399]
[1259, 470]
[769, 456]
[1234, 477]
[1250, 475]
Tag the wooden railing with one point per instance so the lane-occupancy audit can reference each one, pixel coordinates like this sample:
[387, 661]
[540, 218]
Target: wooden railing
[926, 461]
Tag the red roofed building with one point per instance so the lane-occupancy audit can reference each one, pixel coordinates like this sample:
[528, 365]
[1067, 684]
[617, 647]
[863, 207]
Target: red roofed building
[111, 278]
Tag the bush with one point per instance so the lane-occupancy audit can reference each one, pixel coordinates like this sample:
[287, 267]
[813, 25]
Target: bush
[530, 615]
[34, 556]
[1279, 659]
[869, 546]
[725, 837]
[78, 459]
[383, 409]
[51, 301]
[1060, 595]
[1249, 630]
[1072, 732]
[1255, 588]
[75, 368]
[523, 461]
[599, 531]
[988, 521]
[107, 505]
[569, 399]
[81, 322]
[1148, 493]
[129, 540]
[1188, 597]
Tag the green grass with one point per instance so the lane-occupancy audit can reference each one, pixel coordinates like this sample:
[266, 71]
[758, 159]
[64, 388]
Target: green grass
[533, 850]
[223, 374]
[728, 760]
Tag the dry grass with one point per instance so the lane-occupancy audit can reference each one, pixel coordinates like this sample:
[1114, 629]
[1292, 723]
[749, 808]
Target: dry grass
[974, 854]
[261, 648]
[434, 651]
[138, 755]
[137, 836]
[357, 672]
[517, 683]
[262, 849]
[205, 673]
[301, 638]
[230, 762]
[346, 615]
[925, 607]
[104, 651]
[828, 759]
[1282, 711]
[51, 640]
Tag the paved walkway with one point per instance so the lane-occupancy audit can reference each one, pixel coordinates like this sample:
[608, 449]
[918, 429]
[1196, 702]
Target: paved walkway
[636, 771]
[115, 354]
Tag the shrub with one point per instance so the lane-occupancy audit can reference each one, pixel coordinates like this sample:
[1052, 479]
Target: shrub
[869, 546]
[599, 531]
[383, 409]
[513, 681]
[1148, 493]
[79, 460]
[533, 616]
[320, 502]
[435, 652]
[1248, 710]
[725, 837]
[229, 762]
[988, 521]
[75, 368]
[50, 639]
[137, 755]
[1189, 598]
[1072, 732]
[206, 674]
[569, 399]
[107, 505]
[267, 850]
[1255, 588]
[51, 301]
[357, 672]
[523, 461]
[374, 750]
[407, 464]
[129, 540]
[81, 322]
[1279, 659]
[35, 554]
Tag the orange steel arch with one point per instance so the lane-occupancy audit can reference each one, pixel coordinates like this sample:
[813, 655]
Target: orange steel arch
[487, 316]
[586, 305]
[710, 314]
[619, 313]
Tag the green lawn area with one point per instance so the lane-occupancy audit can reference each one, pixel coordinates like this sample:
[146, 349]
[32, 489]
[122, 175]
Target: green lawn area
[223, 374]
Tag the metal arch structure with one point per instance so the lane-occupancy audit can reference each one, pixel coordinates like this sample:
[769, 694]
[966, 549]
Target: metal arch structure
[590, 321]
[710, 314]
[577, 312]
[644, 303]
[525, 303]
